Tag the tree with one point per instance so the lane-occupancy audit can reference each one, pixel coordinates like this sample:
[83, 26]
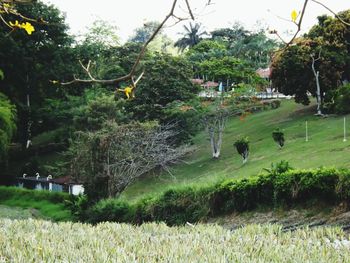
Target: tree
[110, 159]
[27, 63]
[167, 79]
[228, 69]
[192, 36]
[292, 67]
[278, 137]
[242, 147]
[215, 123]
[142, 34]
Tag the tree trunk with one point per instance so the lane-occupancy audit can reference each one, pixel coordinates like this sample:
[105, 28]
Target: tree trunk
[318, 88]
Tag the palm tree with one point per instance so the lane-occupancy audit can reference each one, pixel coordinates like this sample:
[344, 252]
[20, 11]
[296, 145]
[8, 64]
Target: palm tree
[192, 36]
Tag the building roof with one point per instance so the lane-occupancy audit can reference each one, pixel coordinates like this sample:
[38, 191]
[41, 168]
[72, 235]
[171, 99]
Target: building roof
[197, 81]
[210, 84]
[264, 72]
[61, 180]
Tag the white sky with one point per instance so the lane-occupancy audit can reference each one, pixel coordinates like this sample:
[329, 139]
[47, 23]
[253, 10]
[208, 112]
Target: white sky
[130, 14]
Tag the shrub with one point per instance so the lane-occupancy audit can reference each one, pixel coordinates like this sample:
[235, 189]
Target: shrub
[279, 168]
[242, 147]
[278, 137]
[275, 104]
[281, 185]
[342, 100]
[110, 210]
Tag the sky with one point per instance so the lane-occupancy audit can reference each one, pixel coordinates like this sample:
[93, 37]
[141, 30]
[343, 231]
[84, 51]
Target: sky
[130, 14]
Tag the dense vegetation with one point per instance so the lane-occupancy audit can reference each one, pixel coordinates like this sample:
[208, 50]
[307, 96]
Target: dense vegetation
[328, 43]
[279, 187]
[114, 137]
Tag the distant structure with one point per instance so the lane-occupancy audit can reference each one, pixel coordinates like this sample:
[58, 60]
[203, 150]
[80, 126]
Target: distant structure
[61, 184]
[264, 73]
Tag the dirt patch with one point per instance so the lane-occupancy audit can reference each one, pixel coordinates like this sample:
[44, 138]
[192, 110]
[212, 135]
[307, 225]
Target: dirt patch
[290, 219]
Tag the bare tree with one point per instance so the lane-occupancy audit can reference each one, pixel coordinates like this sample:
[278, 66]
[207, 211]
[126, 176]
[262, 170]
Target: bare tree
[119, 154]
[215, 125]
[318, 88]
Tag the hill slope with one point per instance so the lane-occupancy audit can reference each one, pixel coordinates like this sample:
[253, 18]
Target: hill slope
[324, 148]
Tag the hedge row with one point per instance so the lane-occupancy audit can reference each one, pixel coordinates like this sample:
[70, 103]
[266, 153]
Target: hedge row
[179, 206]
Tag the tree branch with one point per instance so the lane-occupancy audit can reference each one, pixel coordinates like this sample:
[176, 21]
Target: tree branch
[130, 75]
[330, 10]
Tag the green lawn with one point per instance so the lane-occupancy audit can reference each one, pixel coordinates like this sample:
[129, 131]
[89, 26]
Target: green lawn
[324, 148]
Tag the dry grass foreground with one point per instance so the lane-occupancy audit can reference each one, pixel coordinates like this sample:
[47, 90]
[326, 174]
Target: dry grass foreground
[44, 241]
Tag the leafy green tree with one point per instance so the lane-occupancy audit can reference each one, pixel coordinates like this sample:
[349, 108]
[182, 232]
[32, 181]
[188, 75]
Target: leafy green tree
[29, 62]
[228, 68]
[167, 79]
[254, 47]
[341, 99]
[291, 69]
[242, 147]
[278, 137]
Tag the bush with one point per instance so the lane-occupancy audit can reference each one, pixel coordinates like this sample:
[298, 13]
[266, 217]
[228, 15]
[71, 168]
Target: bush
[242, 147]
[278, 137]
[281, 185]
[109, 210]
[342, 100]
[275, 104]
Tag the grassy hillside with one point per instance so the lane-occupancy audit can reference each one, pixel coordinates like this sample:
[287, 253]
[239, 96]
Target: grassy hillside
[324, 148]
[40, 241]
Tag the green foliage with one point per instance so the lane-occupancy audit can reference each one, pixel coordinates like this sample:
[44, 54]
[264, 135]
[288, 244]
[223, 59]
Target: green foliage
[242, 147]
[342, 99]
[279, 168]
[98, 111]
[22, 57]
[109, 210]
[275, 104]
[253, 47]
[7, 124]
[187, 118]
[50, 204]
[167, 79]
[278, 137]
[225, 68]
[281, 185]
[291, 69]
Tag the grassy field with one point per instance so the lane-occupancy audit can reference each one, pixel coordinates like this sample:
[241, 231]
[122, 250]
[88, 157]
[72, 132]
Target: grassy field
[42, 241]
[19, 213]
[324, 148]
[34, 204]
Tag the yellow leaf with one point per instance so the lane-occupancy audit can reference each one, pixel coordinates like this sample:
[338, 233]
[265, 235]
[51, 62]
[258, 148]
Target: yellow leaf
[294, 16]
